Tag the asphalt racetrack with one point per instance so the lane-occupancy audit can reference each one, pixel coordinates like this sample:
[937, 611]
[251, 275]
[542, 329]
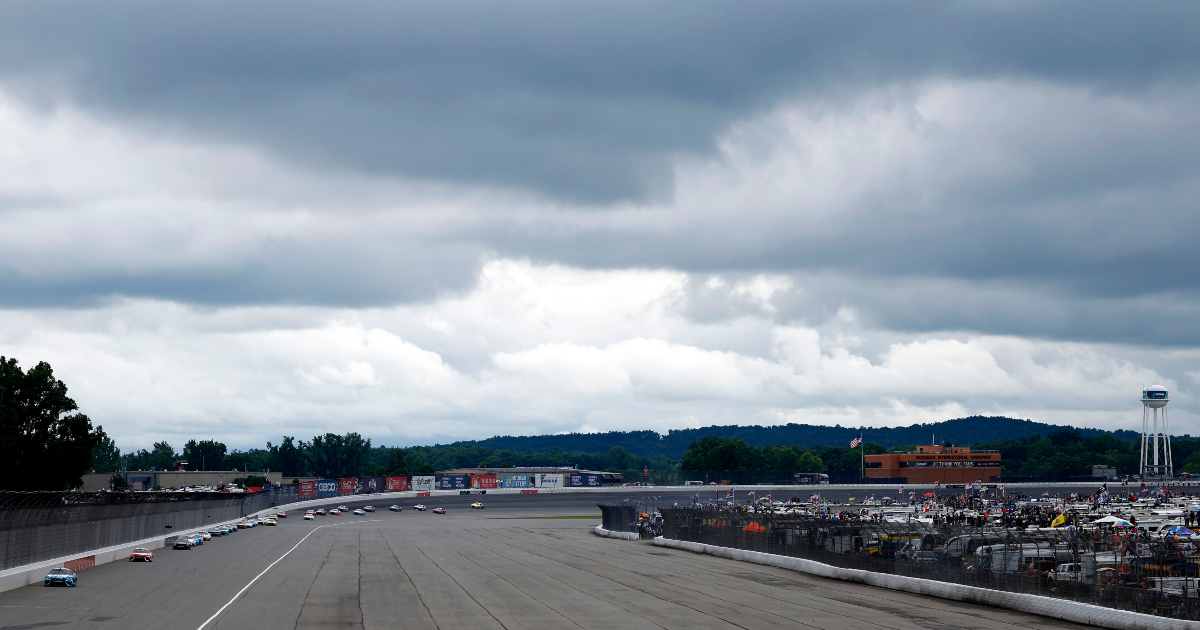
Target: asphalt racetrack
[516, 564]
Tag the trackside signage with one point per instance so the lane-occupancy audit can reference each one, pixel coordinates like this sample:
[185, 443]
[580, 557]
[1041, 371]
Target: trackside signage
[347, 484]
[308, 489]
[397, 484]
[453, 482]
[327, 487]
[584, 480]
[549, 480]
[423, 483]
[513, 480]
[371, 485]
[483, 482]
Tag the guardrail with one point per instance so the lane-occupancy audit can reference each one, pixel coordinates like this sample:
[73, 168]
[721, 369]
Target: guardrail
[1125, 571]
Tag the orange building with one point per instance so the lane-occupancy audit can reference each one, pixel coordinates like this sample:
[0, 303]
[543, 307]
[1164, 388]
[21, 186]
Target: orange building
[927, 464]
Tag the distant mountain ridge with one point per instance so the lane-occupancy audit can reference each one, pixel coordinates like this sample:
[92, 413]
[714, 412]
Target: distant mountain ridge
[962, 431]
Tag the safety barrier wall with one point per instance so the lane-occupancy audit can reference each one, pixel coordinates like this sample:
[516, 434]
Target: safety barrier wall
[38, 526]
[619, 516]
[994, 558]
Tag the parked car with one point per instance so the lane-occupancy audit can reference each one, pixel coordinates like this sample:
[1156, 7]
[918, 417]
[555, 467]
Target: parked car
[419, 507]
[369, 508]
[439, 510]
[394, 508]
[477, 505]
[359, 512]
[61, 577]
[141, 554]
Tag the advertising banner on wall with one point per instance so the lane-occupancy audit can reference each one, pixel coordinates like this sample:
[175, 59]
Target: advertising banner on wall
[327, 487]
[397, 484]
[308, 489]
[483, 482]
[423, 483]
[453, 482]
[513, 480]
[347, 484]
[549, 480]
[585, 480]
[371, 485]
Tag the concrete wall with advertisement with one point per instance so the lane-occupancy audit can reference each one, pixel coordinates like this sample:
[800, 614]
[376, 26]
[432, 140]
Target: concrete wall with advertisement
[483, 482]
[548, 480]
[584, 480]
[513, 480]
[397, 484]
[327, 487]
[423, 483]
[346, 485]
[308, 489]
[453, 482]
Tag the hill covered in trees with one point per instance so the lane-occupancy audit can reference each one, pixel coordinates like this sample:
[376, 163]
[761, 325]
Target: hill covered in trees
[963, 431]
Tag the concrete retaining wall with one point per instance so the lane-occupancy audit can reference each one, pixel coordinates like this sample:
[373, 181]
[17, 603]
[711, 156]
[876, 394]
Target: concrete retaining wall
[1045, 606]
[600, 531]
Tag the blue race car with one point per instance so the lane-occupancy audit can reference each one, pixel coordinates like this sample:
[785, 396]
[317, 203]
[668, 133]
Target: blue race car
[61, 577]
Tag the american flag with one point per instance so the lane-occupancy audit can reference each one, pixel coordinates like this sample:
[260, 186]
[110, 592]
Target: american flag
[856, 441]
[937, 485]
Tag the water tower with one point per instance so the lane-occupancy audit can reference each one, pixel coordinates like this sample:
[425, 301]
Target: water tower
[1156, 440]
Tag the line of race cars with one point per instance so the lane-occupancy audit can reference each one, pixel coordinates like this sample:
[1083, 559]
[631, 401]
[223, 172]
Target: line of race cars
[63, 576]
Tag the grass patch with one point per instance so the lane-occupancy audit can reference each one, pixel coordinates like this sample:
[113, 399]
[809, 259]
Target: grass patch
[536, 518]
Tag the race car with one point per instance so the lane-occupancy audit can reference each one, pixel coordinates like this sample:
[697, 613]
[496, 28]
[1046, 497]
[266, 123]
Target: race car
[141, 554]
[368, 508]
[270, 521]
[439, 510]
[343, 508]
[419, 507]
[216, 532]
[183, 542]
[310, 517]
[281, 515]
[477, 505]
[335, 511]
[359, 512]
[197, 539]
[62, 577]
[395, 508]
[321, 512]
[206, 535]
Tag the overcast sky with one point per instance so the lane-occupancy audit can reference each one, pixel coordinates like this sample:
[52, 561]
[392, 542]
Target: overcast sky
[449, 220]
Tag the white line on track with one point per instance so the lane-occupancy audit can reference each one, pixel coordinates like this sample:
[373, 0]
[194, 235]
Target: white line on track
[264, 571]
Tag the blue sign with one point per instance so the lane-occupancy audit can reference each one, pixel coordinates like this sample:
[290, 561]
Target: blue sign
[327, 487]
[585, 480]
[454, 482]
[1154, 395]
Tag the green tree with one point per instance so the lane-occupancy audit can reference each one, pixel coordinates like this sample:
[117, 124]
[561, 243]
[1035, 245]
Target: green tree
[106, 457]
[715, 454]
[396, 465]
[288, 458]
[335, 455]
[205, 454]
[43, 444]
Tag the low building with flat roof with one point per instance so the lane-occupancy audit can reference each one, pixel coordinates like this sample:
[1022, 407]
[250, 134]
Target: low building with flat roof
[929, 464]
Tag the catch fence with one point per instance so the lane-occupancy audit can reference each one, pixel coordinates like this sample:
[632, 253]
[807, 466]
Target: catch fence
[38, 526]
[1105, 566]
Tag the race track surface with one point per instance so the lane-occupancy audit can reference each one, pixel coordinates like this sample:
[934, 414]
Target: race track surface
[493, 568]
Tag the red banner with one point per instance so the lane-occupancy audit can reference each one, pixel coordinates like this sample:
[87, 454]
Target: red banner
[308, 489]
[423, 494]
[397, 484]
[483, 482]
[529, 492]
[253, 488]
[80, 564]
[347, 484]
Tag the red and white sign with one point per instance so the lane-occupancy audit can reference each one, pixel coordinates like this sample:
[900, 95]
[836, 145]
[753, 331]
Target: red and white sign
[347, 484]
[483, 482]
[423, 494]
[397, 484]
[308, 489]
[529, 492]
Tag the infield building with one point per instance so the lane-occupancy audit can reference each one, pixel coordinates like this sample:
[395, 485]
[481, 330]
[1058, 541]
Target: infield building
[928, 464]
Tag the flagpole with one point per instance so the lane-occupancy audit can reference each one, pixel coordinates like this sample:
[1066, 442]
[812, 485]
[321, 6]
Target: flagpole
[862, 451]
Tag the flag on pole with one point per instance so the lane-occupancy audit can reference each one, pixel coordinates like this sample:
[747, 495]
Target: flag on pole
[901, 491]
[937, 485]
[856, 441]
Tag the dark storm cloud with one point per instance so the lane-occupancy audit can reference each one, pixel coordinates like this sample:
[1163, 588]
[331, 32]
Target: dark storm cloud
[585, 101]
